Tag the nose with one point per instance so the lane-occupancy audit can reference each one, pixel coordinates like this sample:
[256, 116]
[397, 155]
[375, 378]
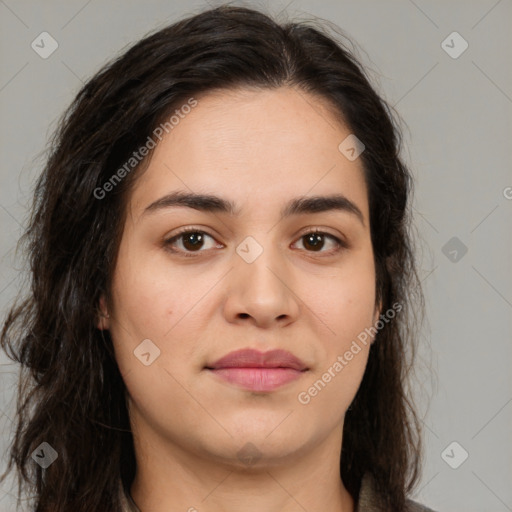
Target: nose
[261, 292]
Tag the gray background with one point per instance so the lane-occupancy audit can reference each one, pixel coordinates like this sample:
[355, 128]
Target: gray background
[456, 115]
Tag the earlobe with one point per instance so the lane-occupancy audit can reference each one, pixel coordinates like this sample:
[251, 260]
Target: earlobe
[103, 319]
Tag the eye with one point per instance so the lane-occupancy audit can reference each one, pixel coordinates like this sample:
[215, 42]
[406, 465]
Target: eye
[316, 240]
[193, 240]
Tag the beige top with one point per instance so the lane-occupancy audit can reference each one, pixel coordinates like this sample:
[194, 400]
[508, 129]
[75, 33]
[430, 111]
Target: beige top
[369, 500]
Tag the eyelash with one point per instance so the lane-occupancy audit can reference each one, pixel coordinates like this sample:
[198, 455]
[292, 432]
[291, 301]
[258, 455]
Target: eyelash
[341, 245]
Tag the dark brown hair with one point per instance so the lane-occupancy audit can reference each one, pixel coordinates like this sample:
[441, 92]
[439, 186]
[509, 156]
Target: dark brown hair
[71, 394]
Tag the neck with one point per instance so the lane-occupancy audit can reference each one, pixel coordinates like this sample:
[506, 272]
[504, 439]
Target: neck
[175, 479]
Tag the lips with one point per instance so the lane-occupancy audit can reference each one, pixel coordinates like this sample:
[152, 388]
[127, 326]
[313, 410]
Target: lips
[258, 371]
[248, 358]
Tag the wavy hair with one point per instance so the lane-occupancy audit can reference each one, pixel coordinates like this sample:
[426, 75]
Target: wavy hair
[70, 391]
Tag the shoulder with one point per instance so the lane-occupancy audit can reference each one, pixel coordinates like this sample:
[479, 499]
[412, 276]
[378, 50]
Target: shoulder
[412, 506]
[370, 500]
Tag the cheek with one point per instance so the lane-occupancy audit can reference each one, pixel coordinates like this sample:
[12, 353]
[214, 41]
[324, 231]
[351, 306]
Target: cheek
[345, 303]
[151, 299]
[347, 309]
[327, 396]
[168, 308]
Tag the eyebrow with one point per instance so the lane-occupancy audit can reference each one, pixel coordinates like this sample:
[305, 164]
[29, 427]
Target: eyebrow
[216, 204]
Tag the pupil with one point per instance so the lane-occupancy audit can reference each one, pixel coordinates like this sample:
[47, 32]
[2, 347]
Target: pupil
[311, 240]
[196, 239]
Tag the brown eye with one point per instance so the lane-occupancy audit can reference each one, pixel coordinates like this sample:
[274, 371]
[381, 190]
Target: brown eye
[315, 241]
[192, 240]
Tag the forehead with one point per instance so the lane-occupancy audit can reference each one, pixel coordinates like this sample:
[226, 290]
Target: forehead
[254, 146]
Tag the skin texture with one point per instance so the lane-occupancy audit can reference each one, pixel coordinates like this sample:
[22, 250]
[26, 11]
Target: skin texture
[258, 149]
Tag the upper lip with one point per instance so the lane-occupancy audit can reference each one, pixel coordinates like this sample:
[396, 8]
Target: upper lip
[250, 358]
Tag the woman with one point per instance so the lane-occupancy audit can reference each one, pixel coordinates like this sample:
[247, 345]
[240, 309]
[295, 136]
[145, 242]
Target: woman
[223, 283]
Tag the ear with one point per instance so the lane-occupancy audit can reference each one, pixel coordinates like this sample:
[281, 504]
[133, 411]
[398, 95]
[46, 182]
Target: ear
[103, 320]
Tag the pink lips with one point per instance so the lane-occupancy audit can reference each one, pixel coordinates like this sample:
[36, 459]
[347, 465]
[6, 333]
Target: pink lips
[258, 371]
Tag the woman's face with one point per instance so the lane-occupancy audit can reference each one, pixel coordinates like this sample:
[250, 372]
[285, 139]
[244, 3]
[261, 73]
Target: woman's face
[247, 279]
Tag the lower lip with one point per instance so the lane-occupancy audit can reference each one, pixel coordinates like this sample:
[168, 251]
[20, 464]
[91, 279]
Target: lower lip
[258, 379]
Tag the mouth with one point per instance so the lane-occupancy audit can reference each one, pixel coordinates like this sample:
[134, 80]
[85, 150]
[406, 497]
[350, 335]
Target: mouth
[258, 371]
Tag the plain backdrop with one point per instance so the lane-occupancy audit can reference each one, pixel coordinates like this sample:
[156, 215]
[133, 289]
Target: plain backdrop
[455, 103]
